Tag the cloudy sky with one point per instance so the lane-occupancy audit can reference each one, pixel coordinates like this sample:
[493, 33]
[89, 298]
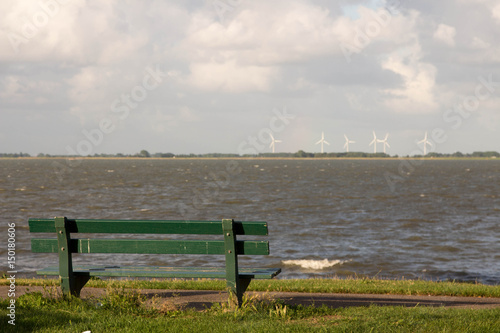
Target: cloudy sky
[85, 77]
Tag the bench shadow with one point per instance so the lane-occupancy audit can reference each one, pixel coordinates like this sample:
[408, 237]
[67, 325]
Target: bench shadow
[194, 299]
[346, 301]
[201, 300]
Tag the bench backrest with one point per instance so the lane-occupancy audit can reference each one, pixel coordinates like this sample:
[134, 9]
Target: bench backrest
[227, 228]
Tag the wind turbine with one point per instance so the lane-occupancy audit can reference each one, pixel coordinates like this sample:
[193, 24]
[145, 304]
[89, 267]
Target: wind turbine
[273, 141]
[322, 141]
[386, 144]
[374, 143]
[347, 142]
[425, 142]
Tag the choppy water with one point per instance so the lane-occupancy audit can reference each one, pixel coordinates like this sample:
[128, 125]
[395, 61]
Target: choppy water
[440, 220]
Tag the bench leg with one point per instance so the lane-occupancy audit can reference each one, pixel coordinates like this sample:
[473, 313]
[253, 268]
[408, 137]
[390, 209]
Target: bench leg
[236, 290]
[235, 284]
[73, 285]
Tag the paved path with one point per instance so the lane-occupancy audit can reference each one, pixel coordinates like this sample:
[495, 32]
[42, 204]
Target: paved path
[201, 299]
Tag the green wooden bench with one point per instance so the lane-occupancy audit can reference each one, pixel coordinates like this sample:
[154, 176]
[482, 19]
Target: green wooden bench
[74, 277]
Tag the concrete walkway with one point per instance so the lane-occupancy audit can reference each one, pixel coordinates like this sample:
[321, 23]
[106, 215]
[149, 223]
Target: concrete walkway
[201, 299]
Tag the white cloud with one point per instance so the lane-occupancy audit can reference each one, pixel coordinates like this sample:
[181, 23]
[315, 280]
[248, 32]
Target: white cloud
[19, 89]
[478, 43]
[383, 28]
[445, 34]
[496, 13]
[417, 92]
[90, 84]
[298, 31]
[38, 30]
[245, 54]
[103, 33]
[231, 77]
[355, 101]
[11, 88]
[90, 92]
[302, 84]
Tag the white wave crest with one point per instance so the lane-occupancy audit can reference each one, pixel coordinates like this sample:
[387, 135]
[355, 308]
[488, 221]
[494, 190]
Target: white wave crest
[314, 264]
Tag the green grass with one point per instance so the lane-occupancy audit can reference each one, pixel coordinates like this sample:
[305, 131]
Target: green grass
[122, 310]
[352, 286]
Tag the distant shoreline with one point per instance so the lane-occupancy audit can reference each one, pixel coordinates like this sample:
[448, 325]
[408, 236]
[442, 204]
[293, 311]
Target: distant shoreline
[246, 158]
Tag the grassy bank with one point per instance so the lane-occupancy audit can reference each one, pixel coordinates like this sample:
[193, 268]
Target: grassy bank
[123, 309]
[353, 286]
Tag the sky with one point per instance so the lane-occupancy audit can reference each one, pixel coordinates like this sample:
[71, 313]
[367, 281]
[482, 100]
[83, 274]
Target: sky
[91, 77]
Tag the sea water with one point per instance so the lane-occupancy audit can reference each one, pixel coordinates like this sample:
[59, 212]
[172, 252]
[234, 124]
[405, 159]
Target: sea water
[435, 219]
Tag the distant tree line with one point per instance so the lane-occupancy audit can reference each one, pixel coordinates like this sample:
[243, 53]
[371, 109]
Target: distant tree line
[484, 154]
[15, 155]
[300, 154]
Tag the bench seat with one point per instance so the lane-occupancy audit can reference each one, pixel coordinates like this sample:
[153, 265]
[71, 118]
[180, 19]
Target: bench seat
[164, 272]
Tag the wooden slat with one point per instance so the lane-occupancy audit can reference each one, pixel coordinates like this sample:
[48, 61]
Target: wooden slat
[150, 226]
[141, 246]
[165, 272]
